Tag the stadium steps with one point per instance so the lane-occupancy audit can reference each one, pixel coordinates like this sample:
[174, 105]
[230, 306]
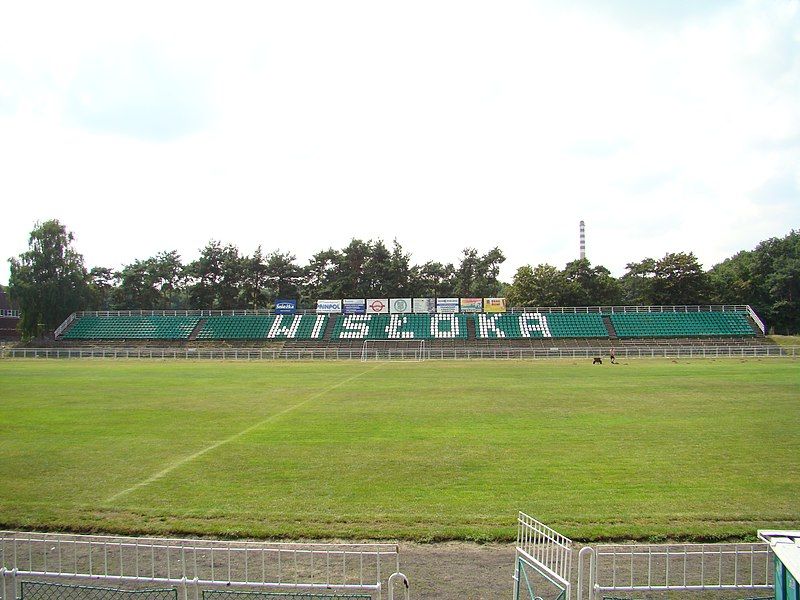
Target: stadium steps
[612, 333]
[328, 330]
[756, 328]
[198, 328]
[70, 326]
[471, 335]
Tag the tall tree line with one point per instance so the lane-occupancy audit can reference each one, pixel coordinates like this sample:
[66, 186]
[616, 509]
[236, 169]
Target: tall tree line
[50, 280]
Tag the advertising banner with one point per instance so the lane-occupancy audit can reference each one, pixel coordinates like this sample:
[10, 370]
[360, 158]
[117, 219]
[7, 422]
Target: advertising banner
[354, 306]
[494, 305]
[400, 305]
[447, 305]
[285, 307]
[329, 306]
[377, 306]
[472, 305]
[424, 305]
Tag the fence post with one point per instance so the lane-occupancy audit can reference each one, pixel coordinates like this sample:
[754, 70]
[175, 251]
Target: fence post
[586, 551]
[14, 592]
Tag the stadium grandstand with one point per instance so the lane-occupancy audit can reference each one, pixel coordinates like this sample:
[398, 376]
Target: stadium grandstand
[527, 331]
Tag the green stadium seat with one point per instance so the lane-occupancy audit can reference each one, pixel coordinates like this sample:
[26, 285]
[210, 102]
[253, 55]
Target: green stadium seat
[539, 325]
[138, 327]
[259, 327]
[400, 327]
[674, 324]
[225, 327]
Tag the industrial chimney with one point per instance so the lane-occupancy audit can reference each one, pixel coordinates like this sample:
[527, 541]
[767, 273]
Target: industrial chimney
[583, 240]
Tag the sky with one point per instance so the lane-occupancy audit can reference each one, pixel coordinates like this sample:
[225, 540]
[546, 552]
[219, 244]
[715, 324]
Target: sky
[666, 125]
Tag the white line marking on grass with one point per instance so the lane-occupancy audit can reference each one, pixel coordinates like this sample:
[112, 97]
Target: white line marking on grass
[235, 436]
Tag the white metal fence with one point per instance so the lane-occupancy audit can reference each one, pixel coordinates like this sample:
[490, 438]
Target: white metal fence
[194, 564]
[462, 353]
[642, 568]
[515, 309]
[546, 551]
[384, 350]
[680, 308]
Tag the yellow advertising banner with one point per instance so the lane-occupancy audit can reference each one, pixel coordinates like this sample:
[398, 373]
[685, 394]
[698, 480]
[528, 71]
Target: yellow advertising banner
[494, 305]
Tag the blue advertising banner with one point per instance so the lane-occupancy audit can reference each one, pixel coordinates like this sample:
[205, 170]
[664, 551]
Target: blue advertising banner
[354, 306]
[285, 307]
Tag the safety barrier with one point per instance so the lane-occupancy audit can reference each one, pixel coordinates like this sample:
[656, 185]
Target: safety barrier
[194, 565]
[544, 551]
[613, 570]
[645, 568]
[431, 353]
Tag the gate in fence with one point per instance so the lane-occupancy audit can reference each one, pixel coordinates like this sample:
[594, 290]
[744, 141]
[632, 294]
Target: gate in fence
[543, 560]
[636, 570]
[191, 568]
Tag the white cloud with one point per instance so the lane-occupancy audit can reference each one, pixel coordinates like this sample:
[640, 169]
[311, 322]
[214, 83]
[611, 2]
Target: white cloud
[444, 124]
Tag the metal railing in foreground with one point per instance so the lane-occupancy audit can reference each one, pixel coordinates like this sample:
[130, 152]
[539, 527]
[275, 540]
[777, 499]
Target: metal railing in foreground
[462, 353]
[546, 551]
[638, 568]
[194, 564]
[641, 569]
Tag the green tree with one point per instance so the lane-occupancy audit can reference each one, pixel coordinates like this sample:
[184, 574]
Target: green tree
[680, 279]
[255, 285]
[351, 278]
[216, 277]
[48, 281]
[776, 279]
[135, 289]
[377, 272]
[637, 283]
[544, 285]
[169, 278]
[284, 275]
[434, 279]
[590, 286]
[152, 284]
[731, 281]
[477, 274]
[400, 272]
[101, 282]
[320, 277]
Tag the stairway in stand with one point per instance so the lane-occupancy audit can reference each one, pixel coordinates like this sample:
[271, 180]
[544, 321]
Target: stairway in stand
[612, 333]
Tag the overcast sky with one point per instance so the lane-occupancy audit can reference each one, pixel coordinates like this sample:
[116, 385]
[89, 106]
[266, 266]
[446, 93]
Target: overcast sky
[665, 125]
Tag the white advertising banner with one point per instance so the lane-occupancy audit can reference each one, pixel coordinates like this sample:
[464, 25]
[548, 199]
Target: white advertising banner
[329, 306]
[447, 305]
[424, 305]
[377, 306]
[400, 305]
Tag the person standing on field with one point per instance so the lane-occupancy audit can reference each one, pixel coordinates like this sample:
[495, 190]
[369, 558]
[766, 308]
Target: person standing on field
[613, 355]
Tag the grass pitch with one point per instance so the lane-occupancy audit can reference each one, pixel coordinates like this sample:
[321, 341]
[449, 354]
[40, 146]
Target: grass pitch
[436, 450]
